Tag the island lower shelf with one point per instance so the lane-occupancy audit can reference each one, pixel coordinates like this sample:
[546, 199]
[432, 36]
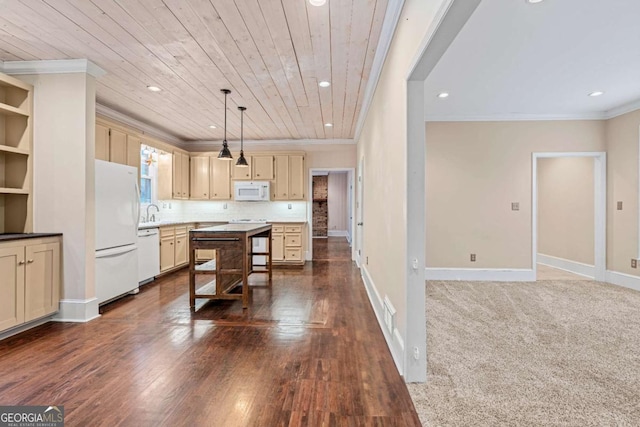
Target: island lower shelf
[231, 264]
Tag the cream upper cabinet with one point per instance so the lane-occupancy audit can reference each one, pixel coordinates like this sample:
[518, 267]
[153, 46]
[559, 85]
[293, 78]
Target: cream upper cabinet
[117, 146]
[262, 168]
[180, 175]
[102, 142]
[241, 172]
[296, 177]
[133, 151]
[199, 185]
[165, 176]
[280, 189]
[289, 177]
[220, 179]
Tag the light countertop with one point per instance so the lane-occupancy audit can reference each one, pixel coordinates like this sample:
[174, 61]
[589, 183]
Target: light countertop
[157, 224]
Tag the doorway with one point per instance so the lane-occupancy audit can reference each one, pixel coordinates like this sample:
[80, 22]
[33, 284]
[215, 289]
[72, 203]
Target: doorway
[563, 210]
[331, 213]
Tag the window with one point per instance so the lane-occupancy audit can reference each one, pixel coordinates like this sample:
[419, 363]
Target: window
[148, 175]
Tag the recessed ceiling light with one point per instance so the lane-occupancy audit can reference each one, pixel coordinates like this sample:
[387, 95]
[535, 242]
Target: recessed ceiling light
[212, 126]
[328, 125]
[324, 83]
[443, 95]
[154, 88]
[317, 2]
[596, 93]
[534, 1]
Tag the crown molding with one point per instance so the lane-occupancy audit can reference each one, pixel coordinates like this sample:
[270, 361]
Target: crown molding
[144, 128]
[389, 25]
[512, 117]
[268, 142]
[623, 109]
[56, 66]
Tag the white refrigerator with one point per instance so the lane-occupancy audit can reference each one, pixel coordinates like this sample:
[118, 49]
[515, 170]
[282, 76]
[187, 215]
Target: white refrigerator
[117, 215]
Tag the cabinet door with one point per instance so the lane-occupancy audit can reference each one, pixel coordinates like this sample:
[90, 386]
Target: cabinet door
[133, 151]
[118, 147]
[42, 280]
[281, 185]
[177, 176]
[11, 286]
[102, 142]
[241, 172]
[199, 185]
[185, 176]
[277, 246]
[262, 168]
[296, 177]
[182, 250]
[167, 253]
[165, 176]
[220, 185]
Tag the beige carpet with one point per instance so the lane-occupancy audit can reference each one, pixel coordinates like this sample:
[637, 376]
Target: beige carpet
[551, 353]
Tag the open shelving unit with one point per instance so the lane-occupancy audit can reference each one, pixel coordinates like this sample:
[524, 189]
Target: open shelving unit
[16, 100]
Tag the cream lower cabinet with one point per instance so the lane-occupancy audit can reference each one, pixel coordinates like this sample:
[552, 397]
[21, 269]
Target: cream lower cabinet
[30, 285]
[287, 244]
[174, 247]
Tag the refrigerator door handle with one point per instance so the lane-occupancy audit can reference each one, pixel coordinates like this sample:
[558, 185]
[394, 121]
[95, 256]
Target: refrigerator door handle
[115, 251]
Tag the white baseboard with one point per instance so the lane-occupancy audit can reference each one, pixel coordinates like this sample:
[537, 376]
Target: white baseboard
[21, 328]
[337, 233]
[574, 267]
[394, 341]
[481, 274]
[622, 279]
[74, 310]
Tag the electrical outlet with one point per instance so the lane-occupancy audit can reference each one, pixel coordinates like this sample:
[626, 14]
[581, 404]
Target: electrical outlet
[224, 206]
[515, 206]
[619, 206]
[473, 257]
[367, 261]
[289, 206]
[634, 263]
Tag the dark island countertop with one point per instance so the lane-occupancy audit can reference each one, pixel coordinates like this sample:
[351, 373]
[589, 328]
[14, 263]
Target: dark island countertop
[233, 228]
[5, 237]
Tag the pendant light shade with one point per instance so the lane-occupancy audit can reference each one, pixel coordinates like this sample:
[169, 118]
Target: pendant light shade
[242, 162]
[225, 154]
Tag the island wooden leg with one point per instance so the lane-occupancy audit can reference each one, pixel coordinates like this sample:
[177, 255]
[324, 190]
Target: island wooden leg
[270, 262]
[192, 277]
[245, 272]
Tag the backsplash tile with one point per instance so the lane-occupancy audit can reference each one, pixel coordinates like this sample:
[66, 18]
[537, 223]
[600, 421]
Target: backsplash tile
[185, 210]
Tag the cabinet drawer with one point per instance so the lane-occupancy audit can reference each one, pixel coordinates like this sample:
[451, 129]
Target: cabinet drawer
[167, 231]
[293, 254]
[277, 229]
[292, 228]
[292, 240]
[181, 229]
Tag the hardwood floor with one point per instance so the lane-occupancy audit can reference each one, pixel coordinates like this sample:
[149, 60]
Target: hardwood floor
[331, 249]
[308, 352]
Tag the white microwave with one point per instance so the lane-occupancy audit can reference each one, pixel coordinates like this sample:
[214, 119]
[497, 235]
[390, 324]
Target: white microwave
[251, 191]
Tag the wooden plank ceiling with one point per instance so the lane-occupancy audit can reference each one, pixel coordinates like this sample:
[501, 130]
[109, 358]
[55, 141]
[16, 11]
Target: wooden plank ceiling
[270, 53]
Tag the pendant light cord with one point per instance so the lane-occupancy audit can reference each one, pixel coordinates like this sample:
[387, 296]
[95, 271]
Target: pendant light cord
[225, 117]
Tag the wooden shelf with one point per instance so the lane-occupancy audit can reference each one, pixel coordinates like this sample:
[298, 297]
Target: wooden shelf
[14, 150]
[4, 190]
[12, 111]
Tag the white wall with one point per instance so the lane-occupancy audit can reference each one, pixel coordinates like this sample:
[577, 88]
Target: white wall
[64, 152]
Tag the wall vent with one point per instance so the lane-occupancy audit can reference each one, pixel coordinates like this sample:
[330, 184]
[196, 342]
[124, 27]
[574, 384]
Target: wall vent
[389, 315]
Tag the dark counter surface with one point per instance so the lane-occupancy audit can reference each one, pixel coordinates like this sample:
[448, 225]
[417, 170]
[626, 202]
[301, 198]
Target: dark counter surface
[5, 237]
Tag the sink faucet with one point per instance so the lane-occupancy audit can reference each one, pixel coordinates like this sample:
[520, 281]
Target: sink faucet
[153, 216]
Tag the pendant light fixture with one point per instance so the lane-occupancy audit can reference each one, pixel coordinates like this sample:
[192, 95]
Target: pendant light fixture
[225, 154]
[242, 162]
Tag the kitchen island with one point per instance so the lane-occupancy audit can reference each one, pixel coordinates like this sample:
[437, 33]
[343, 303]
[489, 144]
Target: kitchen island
[232, 264]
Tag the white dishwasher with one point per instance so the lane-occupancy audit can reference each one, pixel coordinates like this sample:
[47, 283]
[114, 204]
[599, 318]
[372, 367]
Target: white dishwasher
[148, 254]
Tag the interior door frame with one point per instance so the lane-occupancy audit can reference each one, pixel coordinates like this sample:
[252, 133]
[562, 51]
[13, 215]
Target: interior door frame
[600, 208]
[350, 178]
